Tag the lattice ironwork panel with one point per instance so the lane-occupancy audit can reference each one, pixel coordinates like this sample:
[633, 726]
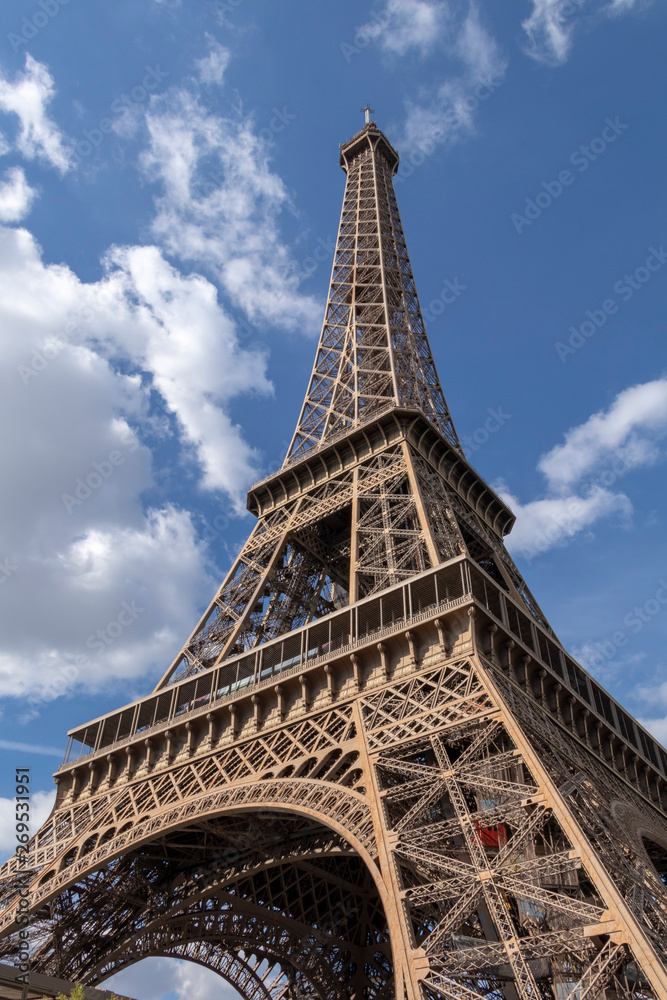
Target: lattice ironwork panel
[500, 899]
[373, 350]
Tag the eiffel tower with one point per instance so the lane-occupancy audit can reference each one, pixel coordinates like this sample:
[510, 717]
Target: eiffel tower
[373, 771]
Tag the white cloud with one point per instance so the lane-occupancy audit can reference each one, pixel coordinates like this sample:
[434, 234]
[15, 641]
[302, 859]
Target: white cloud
[74, 532]
[28, 97]
[213, 66]
[407, 24]
[542, 524]
[624, 437]
[38, 748]
[549, 31]
[184, 338]
[580, 472]
[658, 727]
[16, 196]
[220, 207]
[449, 113]
[591, 656]
[156, 978]
[552, 24]
[97, 584]
[121, 600]
[41, 804]
[653, 698]
[477, 49]
[60, 656]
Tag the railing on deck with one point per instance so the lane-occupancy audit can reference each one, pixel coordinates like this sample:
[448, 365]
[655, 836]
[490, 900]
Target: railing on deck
[373, 617]
[433, 592]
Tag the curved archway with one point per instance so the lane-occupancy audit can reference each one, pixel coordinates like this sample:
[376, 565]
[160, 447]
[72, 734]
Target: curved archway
[267, 877]
[343, 810]
[190, 974]
[226, 942]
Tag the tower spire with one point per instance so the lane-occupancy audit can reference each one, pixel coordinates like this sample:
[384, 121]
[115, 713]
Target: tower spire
[373, 351]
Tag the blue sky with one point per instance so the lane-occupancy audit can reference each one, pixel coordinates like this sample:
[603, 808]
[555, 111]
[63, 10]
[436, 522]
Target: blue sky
[169, 198]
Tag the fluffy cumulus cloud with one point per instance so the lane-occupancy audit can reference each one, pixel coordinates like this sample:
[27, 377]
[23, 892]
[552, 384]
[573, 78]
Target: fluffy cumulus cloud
[114, 381]
[95, 586]
[542, 524]
[581, 472]
[656, 726]
[477, 70]
[652, 701]
[624, 437]
[16, 195]
[220, 204]
[156, 978]
[211, 68]
[551, 26]
[407, 24]
[174, 327]
[27, 97]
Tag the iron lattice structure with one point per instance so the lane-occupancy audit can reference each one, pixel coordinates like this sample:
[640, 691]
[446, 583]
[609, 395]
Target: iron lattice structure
[373, 771]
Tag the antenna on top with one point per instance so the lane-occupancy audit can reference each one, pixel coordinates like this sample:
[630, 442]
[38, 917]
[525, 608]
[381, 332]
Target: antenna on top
[368, 111]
